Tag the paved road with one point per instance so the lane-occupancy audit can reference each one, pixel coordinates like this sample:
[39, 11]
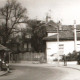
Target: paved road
[42, 73]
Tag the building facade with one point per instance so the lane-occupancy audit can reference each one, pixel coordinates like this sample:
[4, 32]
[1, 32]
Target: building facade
[61, 42]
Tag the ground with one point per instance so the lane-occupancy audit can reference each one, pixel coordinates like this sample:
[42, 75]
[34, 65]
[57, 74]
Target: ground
[42, 73]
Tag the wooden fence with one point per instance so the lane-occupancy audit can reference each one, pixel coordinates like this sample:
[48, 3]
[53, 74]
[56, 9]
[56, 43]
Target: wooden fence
[28, 56]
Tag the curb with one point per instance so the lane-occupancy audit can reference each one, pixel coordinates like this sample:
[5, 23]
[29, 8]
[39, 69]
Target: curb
[4, 73]
[70, 67]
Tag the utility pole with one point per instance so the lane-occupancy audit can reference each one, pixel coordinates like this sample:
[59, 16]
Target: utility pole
[58, 44]
[75, 36]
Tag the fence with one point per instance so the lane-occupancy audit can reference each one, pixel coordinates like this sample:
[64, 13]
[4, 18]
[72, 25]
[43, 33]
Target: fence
[29, 56]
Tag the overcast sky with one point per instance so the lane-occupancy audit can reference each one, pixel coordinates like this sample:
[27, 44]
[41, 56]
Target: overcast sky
[65, 10]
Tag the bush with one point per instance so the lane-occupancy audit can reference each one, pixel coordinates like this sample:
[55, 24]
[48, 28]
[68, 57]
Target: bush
[71, 56]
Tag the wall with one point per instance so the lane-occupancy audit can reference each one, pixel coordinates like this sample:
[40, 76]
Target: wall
[52, 49]
[51, 34]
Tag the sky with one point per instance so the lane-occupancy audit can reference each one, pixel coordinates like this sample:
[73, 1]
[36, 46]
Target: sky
[64, 10]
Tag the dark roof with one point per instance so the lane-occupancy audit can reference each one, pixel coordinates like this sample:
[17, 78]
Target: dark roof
[63, 35]
[52, 27]
[66, 32]
[70, 27]
[67, 27]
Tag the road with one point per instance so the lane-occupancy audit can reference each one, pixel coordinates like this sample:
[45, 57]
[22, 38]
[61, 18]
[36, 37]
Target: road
[42, 73]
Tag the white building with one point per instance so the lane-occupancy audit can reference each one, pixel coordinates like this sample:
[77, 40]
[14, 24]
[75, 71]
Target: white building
[56, 48]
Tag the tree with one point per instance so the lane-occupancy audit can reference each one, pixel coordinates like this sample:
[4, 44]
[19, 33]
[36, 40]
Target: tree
[38, 33]
[11, 15]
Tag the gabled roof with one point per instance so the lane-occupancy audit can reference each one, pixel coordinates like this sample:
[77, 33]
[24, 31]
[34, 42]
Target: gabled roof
[52, 27]
[66, 32]
[63, 35]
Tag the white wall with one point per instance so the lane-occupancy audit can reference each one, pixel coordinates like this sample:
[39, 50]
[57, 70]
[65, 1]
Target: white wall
[50, 34]
[52, 49]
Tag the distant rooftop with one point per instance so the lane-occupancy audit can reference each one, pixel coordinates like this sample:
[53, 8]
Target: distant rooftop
[63, 36]
[52, 27]
[66, 33]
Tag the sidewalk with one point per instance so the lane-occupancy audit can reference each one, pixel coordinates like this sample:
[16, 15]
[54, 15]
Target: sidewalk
[77, 67]
[3, 73]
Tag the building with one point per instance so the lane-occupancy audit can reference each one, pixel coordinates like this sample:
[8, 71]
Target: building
[62, 43]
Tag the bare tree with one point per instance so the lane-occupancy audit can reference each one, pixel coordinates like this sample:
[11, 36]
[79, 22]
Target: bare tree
[11, 15]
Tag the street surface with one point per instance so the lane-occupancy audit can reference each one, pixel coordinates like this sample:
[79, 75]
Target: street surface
[42, 73]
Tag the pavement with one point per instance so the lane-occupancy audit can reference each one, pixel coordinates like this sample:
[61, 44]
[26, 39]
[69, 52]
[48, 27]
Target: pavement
[3, 73]
[72, 65]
